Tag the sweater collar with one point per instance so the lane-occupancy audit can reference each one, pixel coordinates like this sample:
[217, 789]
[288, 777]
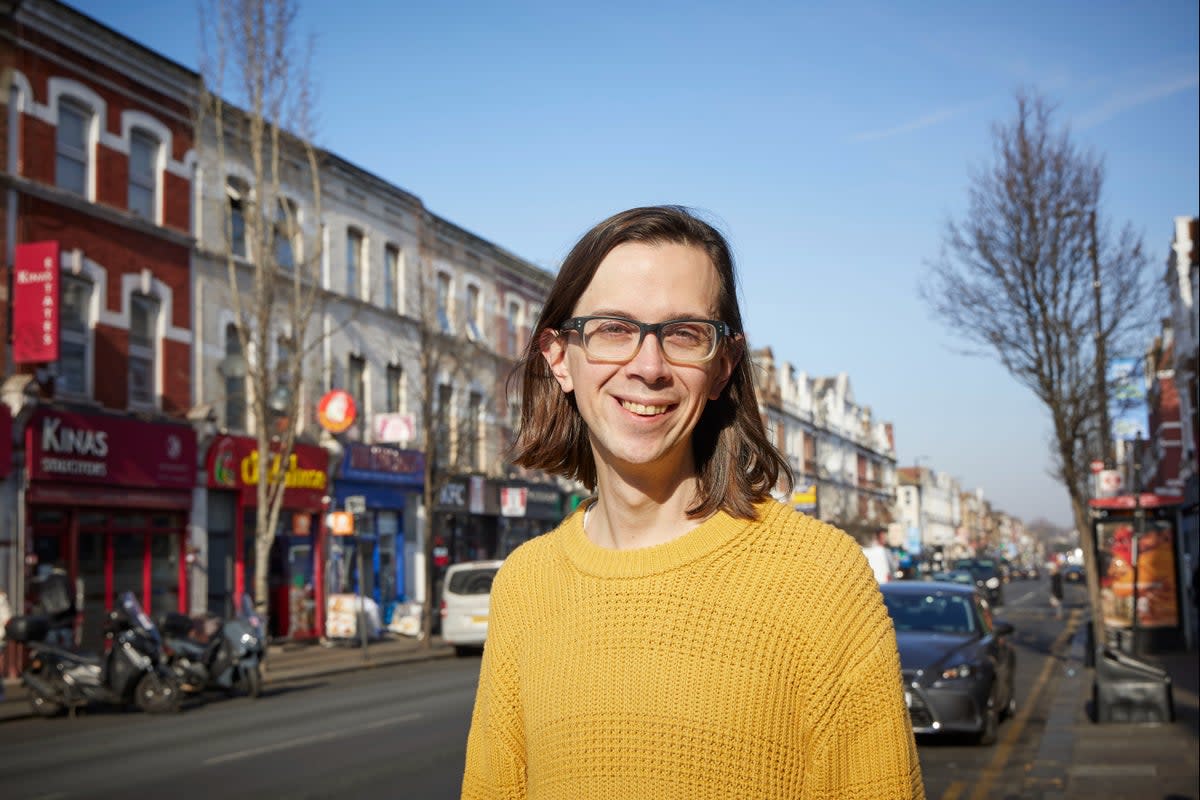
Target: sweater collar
[603, 562]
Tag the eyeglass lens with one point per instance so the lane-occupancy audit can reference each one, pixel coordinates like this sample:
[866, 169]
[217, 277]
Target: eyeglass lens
[680, 341]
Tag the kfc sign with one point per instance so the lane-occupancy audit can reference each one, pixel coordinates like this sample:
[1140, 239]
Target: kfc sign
[35, 303]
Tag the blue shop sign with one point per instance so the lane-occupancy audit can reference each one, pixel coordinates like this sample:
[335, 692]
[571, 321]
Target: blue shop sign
[380, 463]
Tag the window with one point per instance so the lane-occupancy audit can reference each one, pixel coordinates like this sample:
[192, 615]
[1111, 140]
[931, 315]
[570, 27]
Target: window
[442, 448]
[357, 387]
[395, 388]
[284, 232]
[237, 218]
[354, 246]
[391, 273]
[472, 432]
[473, 313]
[443, 302]
[285, 357]
[143, 319]
[235, 386]
[514, 321]
[74, 327]
[143, 175]
[71, 147]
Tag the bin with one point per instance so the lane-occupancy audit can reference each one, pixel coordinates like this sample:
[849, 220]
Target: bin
[1129, 690]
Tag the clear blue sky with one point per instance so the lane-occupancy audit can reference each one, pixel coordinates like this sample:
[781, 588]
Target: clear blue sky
[830, 140]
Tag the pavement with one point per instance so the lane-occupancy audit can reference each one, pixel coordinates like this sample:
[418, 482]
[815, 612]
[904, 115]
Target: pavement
[1076, 758]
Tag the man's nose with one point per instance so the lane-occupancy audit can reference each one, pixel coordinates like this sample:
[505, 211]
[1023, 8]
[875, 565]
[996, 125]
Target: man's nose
[649, 360]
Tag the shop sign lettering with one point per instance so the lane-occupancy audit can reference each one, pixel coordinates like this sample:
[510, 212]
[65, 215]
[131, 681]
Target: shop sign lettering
[295, 476]
[66, 441]
[453, 494]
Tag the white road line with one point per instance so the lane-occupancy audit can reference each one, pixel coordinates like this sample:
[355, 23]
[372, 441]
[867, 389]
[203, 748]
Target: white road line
[305, 740]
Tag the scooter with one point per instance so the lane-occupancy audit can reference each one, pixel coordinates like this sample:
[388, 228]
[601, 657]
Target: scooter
[211, 653]
[132, 672]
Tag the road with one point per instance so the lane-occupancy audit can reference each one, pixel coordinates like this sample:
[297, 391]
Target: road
[400, 732]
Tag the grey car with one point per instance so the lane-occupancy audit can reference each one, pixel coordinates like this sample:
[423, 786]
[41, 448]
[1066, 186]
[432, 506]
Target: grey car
[958, 662]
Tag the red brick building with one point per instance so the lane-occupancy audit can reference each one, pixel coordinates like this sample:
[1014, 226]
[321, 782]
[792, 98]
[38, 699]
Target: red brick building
[96, 162]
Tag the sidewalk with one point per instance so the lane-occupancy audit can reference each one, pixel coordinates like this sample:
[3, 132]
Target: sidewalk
[291, 661]
[1080, 759]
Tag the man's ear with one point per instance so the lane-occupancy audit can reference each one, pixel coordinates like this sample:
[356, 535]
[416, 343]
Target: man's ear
[554, 350]
[726, 360]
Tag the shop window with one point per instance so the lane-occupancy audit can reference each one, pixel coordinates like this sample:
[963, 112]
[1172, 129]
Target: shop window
[143, 175]
[74, 336]
[143, 321]
[71, 147]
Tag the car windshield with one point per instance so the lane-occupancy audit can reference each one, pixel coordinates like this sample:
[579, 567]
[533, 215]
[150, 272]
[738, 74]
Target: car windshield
[934, 613]
[472, 581]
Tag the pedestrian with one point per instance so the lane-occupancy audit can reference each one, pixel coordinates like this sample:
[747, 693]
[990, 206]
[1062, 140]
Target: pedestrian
[880, 557]
[681, 634]
[1056, 590]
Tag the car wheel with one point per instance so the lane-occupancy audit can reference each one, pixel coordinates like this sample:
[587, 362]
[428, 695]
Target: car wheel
[991, 722]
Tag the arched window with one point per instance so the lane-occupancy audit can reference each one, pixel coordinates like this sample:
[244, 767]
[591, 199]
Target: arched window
[238, 196]
[71, 147]
[143, 174]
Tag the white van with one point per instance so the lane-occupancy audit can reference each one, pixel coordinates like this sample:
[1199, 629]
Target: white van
[466, 592]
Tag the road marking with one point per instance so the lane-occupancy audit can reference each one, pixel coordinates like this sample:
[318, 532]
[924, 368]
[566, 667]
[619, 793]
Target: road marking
[305, 740]
[954, 790]
[1004, 748]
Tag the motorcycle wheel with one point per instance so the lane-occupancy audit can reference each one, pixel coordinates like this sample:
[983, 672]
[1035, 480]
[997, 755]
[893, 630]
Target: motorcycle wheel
[44, 706]
[156, 694]
[254, 681]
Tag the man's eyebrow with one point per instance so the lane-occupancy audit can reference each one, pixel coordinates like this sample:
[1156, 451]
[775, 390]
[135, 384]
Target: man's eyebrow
[616, 312]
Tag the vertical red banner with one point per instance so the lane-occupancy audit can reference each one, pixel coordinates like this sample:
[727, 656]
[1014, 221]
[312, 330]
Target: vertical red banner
[35, 303]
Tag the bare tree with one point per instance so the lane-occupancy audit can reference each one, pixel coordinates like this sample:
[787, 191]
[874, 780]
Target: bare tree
[1031, 278]
[261, 131]
[449, 427]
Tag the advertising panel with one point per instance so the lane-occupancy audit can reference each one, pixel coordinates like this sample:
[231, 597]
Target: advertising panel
[102, 449]
[1157, 598]
[35, 303]
[1127, 399]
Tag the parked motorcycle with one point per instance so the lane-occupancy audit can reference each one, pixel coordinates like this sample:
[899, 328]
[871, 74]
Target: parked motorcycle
[133, 671]
[210, 653]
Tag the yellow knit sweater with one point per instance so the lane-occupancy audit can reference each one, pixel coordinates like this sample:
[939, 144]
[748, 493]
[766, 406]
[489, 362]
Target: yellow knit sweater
[745, 659]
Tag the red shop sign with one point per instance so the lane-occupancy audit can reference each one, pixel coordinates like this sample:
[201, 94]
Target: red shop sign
[233, 463]
[35, 303]
[70, 447]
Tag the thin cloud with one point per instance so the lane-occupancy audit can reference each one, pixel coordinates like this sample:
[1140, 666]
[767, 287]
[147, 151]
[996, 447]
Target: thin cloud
[1124, 101]
[917, 124]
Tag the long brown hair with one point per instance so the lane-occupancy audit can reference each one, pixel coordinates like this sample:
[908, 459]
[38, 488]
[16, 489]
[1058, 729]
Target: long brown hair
[737, 465]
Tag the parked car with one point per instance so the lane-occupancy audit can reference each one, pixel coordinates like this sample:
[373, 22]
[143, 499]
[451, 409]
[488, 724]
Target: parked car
[466, 593]
[987, 578]
[954, 576]
[1073, 573]
[957, 662]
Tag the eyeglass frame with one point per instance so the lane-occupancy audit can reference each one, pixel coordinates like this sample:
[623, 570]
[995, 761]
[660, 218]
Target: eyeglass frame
[723, 329]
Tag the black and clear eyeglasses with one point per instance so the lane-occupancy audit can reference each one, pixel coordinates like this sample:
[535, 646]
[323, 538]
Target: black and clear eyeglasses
[617, 339]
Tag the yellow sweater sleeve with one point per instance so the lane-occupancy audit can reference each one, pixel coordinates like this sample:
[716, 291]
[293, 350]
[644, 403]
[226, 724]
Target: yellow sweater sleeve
[495, 763]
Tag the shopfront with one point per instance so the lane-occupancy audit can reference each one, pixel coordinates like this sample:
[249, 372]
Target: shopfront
[295, 569]
[386, 481]
[107, 502]
[526, 510]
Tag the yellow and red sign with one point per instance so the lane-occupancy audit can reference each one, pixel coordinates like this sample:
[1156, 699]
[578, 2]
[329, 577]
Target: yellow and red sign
[336, 411]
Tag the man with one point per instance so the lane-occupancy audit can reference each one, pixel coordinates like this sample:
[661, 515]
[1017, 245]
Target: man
[880, 557]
